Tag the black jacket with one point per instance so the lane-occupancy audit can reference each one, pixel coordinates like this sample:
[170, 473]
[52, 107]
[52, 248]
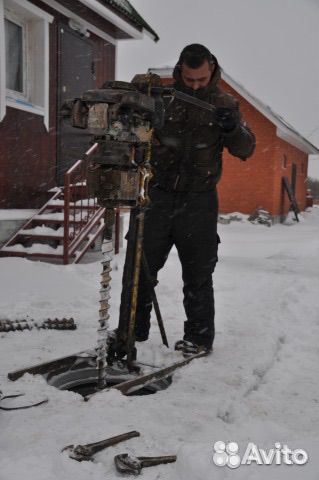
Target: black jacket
[187, 151]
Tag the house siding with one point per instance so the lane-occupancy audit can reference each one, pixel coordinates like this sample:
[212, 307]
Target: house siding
[27, 160]
[27, 150]
[104, 59]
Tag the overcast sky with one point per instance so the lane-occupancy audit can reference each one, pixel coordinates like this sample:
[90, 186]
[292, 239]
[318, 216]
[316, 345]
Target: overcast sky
[269, 46]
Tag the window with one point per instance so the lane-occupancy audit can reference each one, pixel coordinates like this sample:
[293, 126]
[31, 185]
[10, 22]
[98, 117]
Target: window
[24, 58]
[14, 48]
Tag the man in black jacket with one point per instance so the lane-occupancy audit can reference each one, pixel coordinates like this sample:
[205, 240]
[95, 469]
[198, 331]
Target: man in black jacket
[187, 164]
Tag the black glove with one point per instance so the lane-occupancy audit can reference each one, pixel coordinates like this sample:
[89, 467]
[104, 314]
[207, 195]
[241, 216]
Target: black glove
[226, 118]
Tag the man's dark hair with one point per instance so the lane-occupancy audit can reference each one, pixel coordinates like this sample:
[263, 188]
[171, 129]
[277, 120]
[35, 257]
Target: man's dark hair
[194, 56]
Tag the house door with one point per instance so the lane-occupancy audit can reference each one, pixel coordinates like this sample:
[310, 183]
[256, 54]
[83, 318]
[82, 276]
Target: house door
[76, 74]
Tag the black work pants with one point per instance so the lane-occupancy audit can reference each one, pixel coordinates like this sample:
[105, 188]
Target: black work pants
[187, 220]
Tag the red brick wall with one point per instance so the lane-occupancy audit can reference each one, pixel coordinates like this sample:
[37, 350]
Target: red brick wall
[248, 185]
[256, 182]
[285, 155]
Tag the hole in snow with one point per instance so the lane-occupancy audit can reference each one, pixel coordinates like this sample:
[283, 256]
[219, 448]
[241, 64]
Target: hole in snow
[79, 375]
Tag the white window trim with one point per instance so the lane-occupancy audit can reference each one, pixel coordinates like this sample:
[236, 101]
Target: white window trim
[34, 10]
[13, 99]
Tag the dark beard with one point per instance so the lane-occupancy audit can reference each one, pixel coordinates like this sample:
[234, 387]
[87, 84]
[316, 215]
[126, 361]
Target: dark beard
[200, 93]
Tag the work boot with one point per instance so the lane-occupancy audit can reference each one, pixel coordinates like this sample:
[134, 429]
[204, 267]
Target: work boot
[141, 333]
[142, 329]
[141, 337]
[189, 348]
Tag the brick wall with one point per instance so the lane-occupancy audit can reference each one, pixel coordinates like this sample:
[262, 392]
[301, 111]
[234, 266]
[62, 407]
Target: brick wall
[256, 182]
[285, 155]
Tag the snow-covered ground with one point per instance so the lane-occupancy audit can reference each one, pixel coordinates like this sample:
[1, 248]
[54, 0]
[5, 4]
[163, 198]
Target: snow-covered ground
[259, 385]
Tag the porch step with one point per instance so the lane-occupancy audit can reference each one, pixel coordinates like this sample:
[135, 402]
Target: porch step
[79, 206]
[36, 250]
[56, 218]
[34, 239]
[38, 236]
[42, 233]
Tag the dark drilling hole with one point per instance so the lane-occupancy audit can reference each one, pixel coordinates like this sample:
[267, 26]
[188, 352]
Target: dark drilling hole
[81, 377]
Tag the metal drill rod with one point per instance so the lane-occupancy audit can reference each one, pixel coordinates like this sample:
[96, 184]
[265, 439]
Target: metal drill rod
[143, 200]
[129, 386]
[154, 300]
[172, 92]
[136, 275]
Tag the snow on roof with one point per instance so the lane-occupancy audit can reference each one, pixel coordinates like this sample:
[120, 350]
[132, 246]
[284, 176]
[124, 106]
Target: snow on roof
[129, 11]
[122, 14]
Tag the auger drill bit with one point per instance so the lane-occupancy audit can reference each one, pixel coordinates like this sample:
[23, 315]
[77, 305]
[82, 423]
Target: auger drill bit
[107, 251]
[7, 325]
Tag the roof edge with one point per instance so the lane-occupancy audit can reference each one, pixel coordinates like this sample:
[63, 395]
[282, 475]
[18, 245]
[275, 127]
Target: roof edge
[285, 131]
[73, 16]
[112, 17]
[138, 19]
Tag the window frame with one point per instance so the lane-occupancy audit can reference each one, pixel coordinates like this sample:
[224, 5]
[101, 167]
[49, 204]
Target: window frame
[35, 98]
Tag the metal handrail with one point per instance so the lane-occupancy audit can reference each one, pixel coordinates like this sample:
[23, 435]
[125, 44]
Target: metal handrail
[75, 192]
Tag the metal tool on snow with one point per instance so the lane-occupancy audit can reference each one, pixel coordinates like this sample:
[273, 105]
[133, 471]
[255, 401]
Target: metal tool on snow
[7, 325]
[125, 463]
[86, 452]
[130, 386]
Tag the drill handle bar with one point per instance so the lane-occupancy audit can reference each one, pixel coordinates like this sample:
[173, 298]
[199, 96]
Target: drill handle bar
[172, 92]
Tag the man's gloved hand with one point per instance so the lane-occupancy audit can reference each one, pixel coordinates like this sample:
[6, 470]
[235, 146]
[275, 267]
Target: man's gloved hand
[226, 118]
